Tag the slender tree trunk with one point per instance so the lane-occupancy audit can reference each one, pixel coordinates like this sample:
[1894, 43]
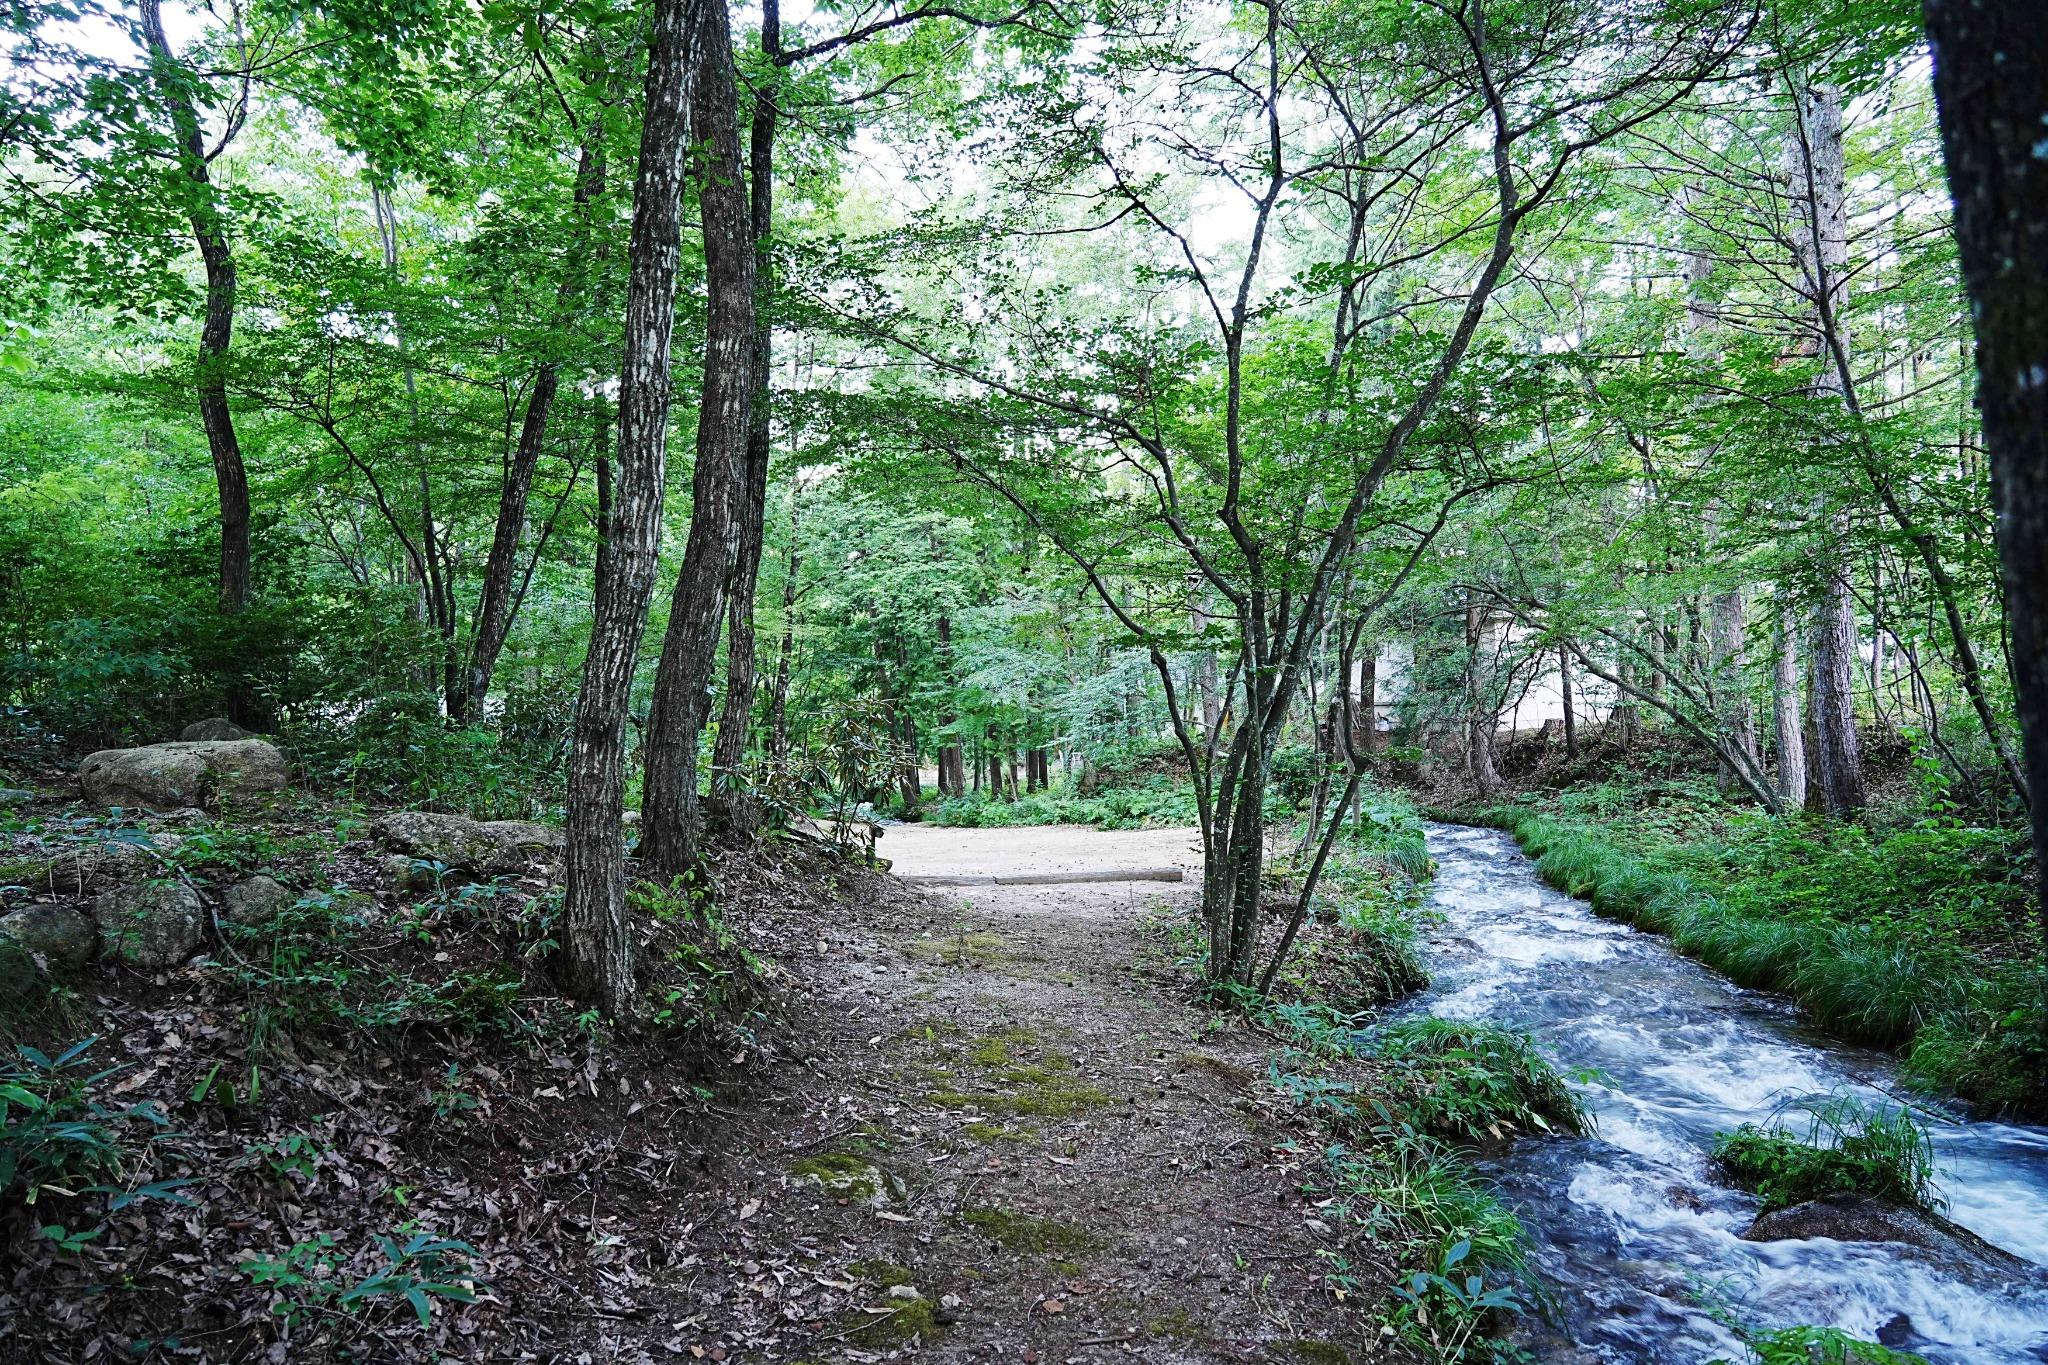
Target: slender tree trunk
[498, 599]
[778, 700]
[599, 939]
[1821, 236]
[1785, 708]
[1564, 692]
[952, 763]
[175, 86]
[731, 804]
[1991, 85]
[669, 823]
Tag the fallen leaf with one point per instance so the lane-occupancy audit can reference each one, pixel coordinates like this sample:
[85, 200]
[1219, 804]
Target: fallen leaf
[1054, 1305]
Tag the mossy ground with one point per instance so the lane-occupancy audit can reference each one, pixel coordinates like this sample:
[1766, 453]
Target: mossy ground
[1015, 1231]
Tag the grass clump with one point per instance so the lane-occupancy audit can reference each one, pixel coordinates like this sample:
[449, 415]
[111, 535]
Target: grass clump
[1026, 1232]
[1466, 1081]
[1819, 1346]
[1848, 1147]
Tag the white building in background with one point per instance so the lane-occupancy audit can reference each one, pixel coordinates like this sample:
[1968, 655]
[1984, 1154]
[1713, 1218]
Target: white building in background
[1527, 708]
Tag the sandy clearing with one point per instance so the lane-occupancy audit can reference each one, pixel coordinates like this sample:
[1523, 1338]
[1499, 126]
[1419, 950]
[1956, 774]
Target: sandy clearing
[930, 850]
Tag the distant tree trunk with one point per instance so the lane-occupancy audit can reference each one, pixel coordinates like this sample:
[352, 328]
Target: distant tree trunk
[1564, 691]
[1366, 720]
[1991, 85]
[1728, 661]
[598, 942]
[952, 765]
[669, 816]
[209, 230]
[498, 600]
[732, 806]
[1785, 708]
[778, 700]
[1821, 236]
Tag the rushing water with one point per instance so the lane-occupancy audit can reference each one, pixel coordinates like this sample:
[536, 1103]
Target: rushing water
[1633, 1231]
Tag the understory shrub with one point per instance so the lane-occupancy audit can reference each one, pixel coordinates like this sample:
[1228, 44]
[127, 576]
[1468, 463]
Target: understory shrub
[57, 1135]
[1848, 1147]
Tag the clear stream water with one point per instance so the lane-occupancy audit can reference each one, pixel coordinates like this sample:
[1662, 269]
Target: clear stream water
[1632, 1228]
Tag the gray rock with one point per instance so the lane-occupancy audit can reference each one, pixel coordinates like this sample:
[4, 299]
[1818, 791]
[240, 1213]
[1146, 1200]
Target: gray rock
[1861, 1218]
[150, 925]
[403, 872]
[59, 937]
[181, 774]
[76, 868]
[522, 843]
[255, 900]
[492, 848]
[455, 840]
[213, 727]
[16, 796]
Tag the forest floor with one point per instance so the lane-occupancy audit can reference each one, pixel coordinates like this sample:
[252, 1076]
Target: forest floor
[957, 1123]
[1014, 1139]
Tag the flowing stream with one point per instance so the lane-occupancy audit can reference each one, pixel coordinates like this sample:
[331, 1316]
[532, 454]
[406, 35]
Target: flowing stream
[1633, 1230]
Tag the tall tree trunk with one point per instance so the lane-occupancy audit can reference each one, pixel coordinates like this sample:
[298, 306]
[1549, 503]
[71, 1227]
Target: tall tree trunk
[1785, 708]
[1991, 86]
[1821, 237]
[732, 806]
[1564, 693]
[669, 824]
[175, 85]
[778, 699]
[952, 764]
[599, 940]
[498, 600]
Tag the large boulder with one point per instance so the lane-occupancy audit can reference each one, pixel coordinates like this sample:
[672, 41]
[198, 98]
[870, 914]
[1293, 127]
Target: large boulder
[150, 925]
[213, 727]
[58, 937]
[490, 848]
[1862, 1218]
[182, 773]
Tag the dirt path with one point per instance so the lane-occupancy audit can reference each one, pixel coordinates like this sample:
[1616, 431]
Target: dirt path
[1013, 1140]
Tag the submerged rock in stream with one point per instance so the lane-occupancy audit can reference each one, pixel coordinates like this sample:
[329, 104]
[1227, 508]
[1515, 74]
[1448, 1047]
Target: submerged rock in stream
[1862, 1218]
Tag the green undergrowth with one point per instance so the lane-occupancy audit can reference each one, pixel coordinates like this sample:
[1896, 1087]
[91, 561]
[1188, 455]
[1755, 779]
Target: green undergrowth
[1915, 939]
[1397, 1170]
[1848, 1147]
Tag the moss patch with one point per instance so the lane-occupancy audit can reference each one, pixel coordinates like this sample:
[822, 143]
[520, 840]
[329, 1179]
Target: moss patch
[960, 950]
[885, 1274]
[993, 1132]
[846, 1175]
[1025, 1232]
[1317, 1352]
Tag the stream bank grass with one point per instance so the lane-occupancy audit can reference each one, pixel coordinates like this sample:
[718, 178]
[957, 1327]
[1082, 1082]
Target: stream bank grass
[1849, 1147]
[1861, 930]
[1469, 1081]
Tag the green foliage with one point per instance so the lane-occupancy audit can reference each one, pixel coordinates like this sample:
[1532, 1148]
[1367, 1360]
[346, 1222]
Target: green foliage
[56, 1135]
[1848, 1147]
[417, 1271]
[1819, 1346]
[1465, 1080]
